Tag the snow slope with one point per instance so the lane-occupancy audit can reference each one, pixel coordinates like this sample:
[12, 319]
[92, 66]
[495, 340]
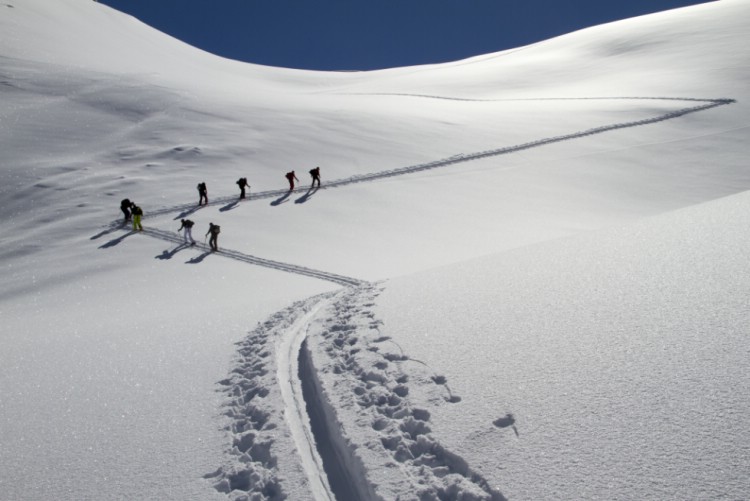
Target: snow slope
[619, 359]
[127, 370]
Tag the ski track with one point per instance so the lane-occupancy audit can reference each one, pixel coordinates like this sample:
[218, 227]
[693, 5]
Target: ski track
[187, 209]
[707, 104]
[260, 380]
[358, 375]
[272, 358]
[295, 406]
[231, 254]
[379, 381]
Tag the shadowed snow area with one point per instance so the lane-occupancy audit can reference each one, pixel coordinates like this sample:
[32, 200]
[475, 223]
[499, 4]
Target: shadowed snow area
[522, 277]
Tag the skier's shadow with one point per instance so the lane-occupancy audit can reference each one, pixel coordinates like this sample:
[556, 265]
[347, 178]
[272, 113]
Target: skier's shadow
[507, 421]
[112, 229]
[229, 206]
[169, 253]
[281, 200]
[187, 212]
[304, 198]
[198, 259]
[117, 240]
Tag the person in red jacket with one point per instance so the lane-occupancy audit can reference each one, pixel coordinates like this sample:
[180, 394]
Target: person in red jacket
[291, 177]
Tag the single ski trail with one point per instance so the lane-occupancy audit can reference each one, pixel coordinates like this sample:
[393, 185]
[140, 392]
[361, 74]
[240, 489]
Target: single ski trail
[295, 407]
[275, 453]
[258, 261]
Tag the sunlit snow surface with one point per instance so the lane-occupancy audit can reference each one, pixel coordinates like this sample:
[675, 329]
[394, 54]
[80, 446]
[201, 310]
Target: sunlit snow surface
[524, 276]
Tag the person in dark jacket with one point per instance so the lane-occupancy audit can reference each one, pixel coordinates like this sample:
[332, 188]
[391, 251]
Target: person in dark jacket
[242, 183]
[187, 225]
[315, 173]
[125, 208]
[203, 193]
[213, 230]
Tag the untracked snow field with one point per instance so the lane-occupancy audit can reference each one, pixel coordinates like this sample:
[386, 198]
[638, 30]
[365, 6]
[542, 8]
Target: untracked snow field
[524, 275]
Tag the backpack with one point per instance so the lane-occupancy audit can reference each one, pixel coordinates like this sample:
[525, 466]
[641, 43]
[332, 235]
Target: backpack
[201, 186]
[215, 229]
[188, 223]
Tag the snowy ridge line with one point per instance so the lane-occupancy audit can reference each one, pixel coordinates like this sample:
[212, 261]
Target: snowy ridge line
[254, 388]
[187, 209]
[276, 265]
[365, 389]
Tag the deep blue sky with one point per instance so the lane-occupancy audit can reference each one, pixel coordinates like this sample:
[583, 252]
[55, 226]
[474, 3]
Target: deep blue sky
[364, 35]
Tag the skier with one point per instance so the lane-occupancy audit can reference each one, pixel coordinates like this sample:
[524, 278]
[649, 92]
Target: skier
[187, 225]
[291, 177]
[242, 183]
[214, 230]
[203, 193]
[315, 173]
[137, 214]
[125, 208]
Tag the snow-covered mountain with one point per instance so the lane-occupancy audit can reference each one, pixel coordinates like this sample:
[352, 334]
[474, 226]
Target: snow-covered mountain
[524, 276]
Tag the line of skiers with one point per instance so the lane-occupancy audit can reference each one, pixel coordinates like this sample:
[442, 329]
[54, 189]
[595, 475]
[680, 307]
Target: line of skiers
[244, 185]
[134, 213]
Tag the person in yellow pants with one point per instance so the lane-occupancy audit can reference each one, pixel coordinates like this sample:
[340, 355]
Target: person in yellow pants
[137, 214]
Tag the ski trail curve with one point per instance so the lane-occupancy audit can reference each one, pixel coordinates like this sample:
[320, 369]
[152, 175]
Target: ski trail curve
[266, 393]
[295, 406]
[703, 105]
[271, 457]
[258, 261]
[186, 209]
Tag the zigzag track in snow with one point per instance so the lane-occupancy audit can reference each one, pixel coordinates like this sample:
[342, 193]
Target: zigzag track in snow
[380, 381]
[706, 104]
[186, 209]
